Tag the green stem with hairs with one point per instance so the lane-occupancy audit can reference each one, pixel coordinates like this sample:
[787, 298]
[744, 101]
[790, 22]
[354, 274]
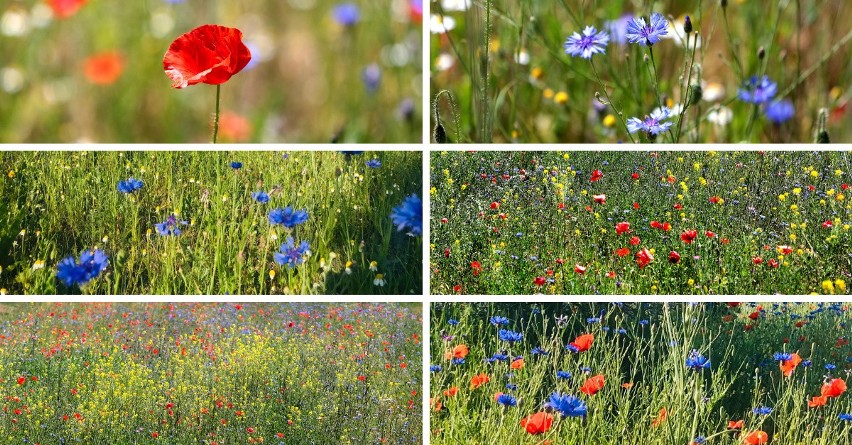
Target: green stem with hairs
[610, 103]
[216, 119]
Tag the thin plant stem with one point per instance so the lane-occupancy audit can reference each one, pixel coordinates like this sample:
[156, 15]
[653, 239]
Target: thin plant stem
[609, 101]
[216, 119]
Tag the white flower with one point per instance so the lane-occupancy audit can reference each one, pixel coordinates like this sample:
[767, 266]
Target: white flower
[522, 57]
[713, 92]
[380, 280]
[721, 116]
[444, 62]
[440, 25]
[455, 5]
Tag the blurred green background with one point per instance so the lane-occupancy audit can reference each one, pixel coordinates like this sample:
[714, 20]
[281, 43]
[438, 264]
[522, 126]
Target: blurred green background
[305, 82]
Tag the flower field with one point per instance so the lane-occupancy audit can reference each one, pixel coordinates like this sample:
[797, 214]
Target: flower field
[689, 71]
[210, 373]
[643, 373]
[289, 71]
[640, 222]
[210, 222]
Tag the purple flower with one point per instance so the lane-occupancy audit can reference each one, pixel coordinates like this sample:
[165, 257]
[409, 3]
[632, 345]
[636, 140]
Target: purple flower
[590, 43]
[290, 254]
[618, 28]
[758, 91]
[780, 111]
[371, 76]
[647, 34]
[653, 124]
[347, 14]
[170, 227]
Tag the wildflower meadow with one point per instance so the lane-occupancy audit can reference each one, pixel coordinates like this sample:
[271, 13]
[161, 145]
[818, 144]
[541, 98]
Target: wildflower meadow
[162, 222]
[636, 222]
[190, 71]
[644, 373]
[693, 71]
[210, 373]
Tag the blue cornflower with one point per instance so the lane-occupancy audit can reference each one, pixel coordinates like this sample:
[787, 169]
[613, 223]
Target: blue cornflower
[458, 361]
[409, 214]
[511, 387]
[538, 351]
[757, 91]
[435, 368]
[782, 356]
[644, 322]
[593, 320]
[567, 405]
[130, 185]
[288, 217]
[653, 124]
[507, 400]
[371, 76]
[647, 34]
[780, 111]
[351, 152]
[830, 366]
[452, 322]
[565, 375]
[762, 411]
[498, 357]
[261, 197]
[618, 28]
[497, 320]
[236, 165]
[590, 43]
[510, 336]
[806, 363]
[585, 369]
[290, 254]
[347, 14]
[622, 331]
[170, 227]
[700, 440]
[374, 163]
[696, 361]
[90, 265]
[846, 417]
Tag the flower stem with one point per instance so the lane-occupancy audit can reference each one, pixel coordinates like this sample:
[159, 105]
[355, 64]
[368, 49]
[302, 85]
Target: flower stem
[216, 119]
[617, 113]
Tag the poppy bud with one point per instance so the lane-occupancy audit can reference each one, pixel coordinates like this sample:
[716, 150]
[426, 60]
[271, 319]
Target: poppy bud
[687, 25]
[724, 3]
[695, 93]
[822, 132]
[761, 53]
[440, 134]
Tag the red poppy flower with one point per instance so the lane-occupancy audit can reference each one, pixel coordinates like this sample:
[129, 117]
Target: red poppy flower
[773, 264]
[827, 224]
[208, 54]
[538, 423]
[636, 206]
[656, 225]
[579, 269]
[451, 392]
[635, 176]
[844, 186]
[593, 384]
[622, 227]
[583, 342]
[635, 240]
[600, 199]
[361, 378]
[688, 236]
[709, 234]
[735, 424]
[539, 281]
[715, 199]
[479, 380]
[22, 380]
[817, 401]
[833, 388]
[784, 250]
[756, 438]
[623, 252]
[643, 257]
[476, 267]
[495, 205]
[787, 366]
[754, 315]
[661, 417]
[65, 8]
[596, 175]
[674, 257]
[517, 364]
[459, 351]
[103, 68]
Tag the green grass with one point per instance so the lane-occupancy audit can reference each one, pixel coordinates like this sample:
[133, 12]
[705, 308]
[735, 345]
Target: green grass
[550, 97]
[306, 87]
[211, 373]
[547, 222]
[56, 204]
[644, 366]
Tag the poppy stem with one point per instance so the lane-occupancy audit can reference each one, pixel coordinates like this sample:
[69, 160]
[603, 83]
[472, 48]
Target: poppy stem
[216, 119]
